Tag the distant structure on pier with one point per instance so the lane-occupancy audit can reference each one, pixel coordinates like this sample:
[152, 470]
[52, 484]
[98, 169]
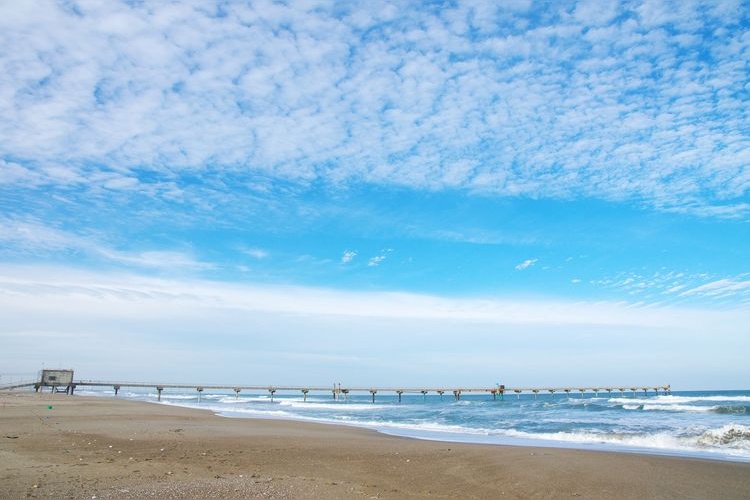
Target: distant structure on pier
[56, 379]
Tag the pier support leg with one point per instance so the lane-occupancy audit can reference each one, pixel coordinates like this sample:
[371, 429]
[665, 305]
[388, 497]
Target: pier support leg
[373, 391]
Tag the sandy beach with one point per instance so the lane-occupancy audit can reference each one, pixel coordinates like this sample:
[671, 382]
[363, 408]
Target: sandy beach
[58, 446]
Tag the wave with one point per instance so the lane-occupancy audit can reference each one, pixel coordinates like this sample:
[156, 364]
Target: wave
[721, 409]
[682, 399]
[732, 409]
[331, 406]
[731, 435]
[732, 440]
[674, 407]
[631, 407]
[232, 400]
[430, 427]
[706, 426]
[244, 412]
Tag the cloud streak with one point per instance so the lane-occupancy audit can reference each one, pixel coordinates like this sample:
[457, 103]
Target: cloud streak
[32, 237]
[118, 293]
[674, 286]
[128, 324]
[526, 264]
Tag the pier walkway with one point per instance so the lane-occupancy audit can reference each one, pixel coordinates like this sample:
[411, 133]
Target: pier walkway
[341, 392]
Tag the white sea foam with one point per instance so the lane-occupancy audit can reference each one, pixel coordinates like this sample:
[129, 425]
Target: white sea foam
[330, 406]
[665, 407]
[731, 435]
[243, 399]
[733, 440]
[431, 427]
[681, 399]
[707, 426]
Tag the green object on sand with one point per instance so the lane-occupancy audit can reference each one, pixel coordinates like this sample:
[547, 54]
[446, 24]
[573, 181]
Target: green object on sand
[49, 407]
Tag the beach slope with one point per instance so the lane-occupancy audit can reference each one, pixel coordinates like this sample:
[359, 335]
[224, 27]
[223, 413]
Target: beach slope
[58, 446]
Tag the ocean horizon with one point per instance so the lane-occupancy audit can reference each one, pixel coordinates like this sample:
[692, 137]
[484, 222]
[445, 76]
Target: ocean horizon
[700, 424]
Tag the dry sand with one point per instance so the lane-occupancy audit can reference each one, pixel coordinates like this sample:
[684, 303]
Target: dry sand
[92, 447]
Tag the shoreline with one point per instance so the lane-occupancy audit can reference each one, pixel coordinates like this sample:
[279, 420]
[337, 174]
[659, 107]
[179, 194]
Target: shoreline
[514, 442]
[113, 448]
[588, 443]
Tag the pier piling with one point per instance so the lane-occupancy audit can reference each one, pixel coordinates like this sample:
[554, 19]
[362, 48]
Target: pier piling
[338, 391]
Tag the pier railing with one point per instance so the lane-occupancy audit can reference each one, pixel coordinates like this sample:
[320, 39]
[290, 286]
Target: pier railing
[17, 385]
[342, 392]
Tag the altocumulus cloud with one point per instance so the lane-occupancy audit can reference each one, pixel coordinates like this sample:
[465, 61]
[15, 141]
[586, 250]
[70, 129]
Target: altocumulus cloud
[615, 100]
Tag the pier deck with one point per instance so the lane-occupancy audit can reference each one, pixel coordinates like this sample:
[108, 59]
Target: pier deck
[338, 391]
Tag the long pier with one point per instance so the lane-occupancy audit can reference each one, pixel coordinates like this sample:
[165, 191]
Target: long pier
[341, 392]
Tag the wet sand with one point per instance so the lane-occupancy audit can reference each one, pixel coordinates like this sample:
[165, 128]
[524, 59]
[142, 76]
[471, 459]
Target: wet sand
[92, 447]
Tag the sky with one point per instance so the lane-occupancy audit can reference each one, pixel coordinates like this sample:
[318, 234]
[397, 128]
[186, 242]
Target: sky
[376, 193]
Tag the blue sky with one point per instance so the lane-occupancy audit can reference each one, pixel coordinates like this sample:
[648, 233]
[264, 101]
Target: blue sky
[377, 192]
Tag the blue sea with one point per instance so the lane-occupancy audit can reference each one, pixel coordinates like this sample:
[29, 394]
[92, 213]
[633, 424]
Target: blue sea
[705, 424]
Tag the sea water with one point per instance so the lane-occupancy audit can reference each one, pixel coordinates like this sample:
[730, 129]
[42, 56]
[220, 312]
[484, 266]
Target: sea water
[706, 424]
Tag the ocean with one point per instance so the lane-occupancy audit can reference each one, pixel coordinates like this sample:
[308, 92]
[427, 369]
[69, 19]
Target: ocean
[704, 424]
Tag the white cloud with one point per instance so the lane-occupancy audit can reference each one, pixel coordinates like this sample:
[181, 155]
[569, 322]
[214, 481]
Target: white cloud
[375, 261]
[256, 253]
[150, 320]
[596, 12]
[348, 256]
[157, 91]
[674, 286]
[32, 237]
[378, 259]
[720, 288]
[119, 289]
[526, 264]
